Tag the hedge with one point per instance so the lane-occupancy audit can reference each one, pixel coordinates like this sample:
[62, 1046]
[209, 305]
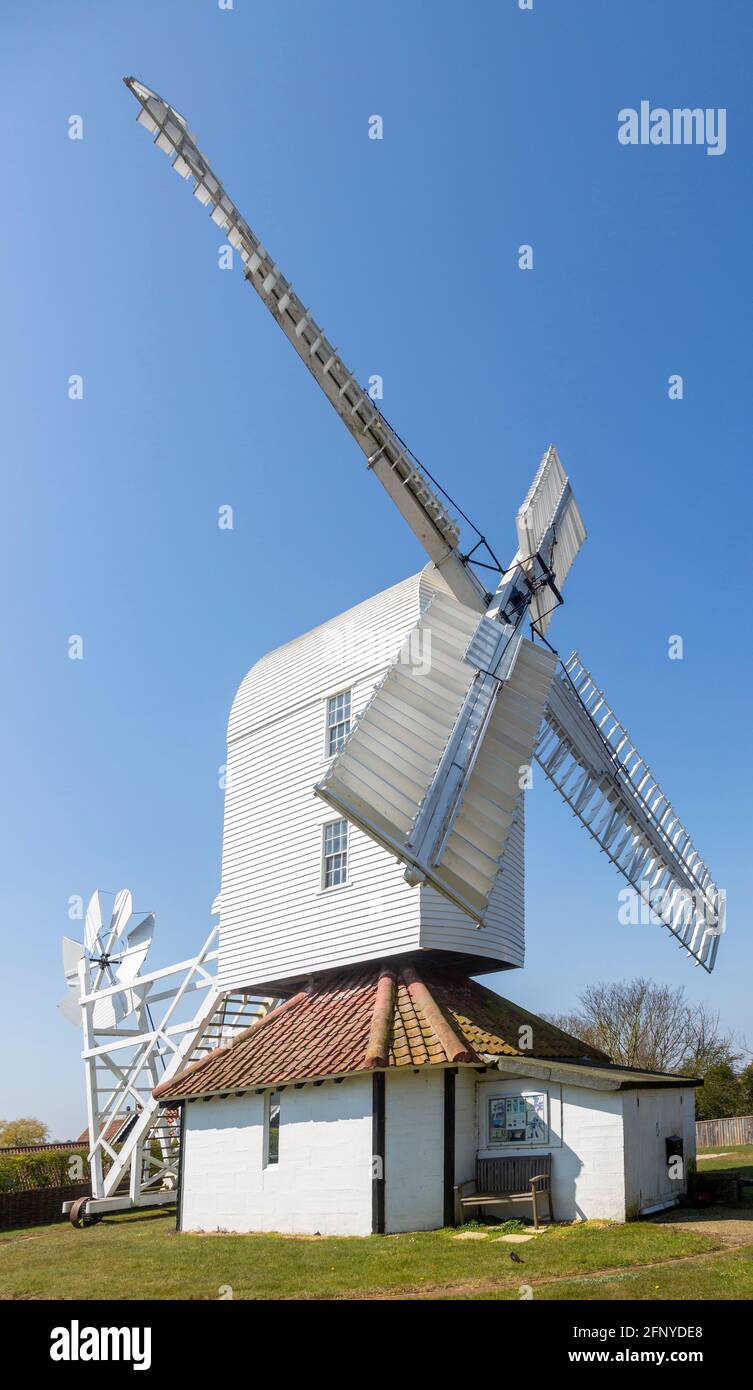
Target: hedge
[31, 1171]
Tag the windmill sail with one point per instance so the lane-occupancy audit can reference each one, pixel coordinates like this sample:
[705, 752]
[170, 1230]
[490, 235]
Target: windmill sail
[114, 949]
[388, 457]
[470, 852]
[384, 777]
[590, 758]
[550, 527]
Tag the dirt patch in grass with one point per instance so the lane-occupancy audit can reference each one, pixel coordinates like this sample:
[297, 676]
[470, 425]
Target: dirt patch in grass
[730, 1225]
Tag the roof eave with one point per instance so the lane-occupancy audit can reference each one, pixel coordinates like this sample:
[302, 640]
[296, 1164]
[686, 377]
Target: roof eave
[319, 1080]
[591, 1076]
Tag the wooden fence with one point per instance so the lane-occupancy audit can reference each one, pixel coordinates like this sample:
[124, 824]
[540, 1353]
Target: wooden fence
[715, 1134]
[72, 1144]
[39, 1207]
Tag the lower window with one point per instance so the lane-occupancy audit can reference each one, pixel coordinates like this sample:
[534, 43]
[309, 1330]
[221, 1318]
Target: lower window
[272, 1127]
[335, 854]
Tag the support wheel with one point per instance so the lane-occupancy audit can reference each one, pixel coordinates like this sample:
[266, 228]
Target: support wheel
[79, 1215]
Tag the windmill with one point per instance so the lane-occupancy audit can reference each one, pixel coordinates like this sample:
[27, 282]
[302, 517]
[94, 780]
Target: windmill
[433, 769]
[138, 1029]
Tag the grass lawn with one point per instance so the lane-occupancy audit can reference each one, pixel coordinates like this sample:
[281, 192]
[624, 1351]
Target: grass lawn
[730, 1276]
[152, 1261]
[727, 1157]
[591, 1260]
[726, 1162]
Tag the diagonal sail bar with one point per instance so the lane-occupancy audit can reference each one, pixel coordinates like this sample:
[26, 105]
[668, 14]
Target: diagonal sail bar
[388, 457]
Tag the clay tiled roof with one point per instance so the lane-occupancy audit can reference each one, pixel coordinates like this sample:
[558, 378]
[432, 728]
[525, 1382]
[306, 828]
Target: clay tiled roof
[367, 1017]
[113, 1129]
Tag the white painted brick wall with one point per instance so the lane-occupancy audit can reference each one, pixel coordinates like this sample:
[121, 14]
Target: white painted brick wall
[586, 1144]
[323, 1180]
[589, 1169]
[414, 1150]
[321, 1183]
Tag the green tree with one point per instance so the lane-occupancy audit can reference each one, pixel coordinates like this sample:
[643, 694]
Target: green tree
[721, 1094]
[746, 1089]
[17, 1133]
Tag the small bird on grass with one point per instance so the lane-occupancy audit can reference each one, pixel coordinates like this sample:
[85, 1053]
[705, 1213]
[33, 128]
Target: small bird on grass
[516, 1258]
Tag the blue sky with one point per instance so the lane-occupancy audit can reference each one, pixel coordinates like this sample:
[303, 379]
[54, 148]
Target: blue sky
[500, 128]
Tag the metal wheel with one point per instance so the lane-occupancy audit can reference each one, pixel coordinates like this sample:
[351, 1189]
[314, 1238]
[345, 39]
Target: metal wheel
[79, 1215]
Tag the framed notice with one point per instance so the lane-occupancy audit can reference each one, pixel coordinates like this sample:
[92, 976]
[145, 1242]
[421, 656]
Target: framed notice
[518, 1119]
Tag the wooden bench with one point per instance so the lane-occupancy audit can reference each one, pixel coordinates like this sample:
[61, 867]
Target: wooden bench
[501, 1180]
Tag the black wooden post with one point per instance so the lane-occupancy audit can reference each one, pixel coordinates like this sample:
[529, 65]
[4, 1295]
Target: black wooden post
[449, 1146]
[377, 1152]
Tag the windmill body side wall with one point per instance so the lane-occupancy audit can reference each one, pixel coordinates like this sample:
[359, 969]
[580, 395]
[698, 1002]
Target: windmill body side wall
[277, 922]
[503, 934]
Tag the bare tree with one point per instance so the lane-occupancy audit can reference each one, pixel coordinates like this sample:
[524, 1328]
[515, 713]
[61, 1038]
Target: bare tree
[653, 1027]
[708, 1046]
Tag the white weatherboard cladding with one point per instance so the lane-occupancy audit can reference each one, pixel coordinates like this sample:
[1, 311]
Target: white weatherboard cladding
[276, 920]
[650, 1118]
[504, 919]
[275, 917]
[385, 769]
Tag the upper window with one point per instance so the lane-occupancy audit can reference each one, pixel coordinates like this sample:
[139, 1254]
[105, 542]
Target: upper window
[338, 721]
[335, 853]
